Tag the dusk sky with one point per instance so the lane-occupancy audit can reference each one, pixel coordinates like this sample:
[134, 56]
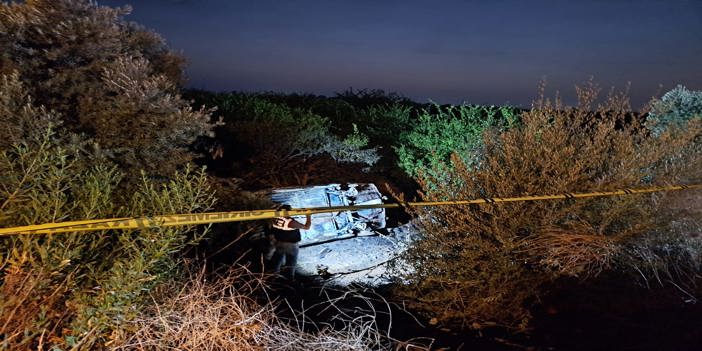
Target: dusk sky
[487, 52]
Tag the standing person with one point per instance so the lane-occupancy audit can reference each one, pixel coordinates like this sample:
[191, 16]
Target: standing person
[285, 233]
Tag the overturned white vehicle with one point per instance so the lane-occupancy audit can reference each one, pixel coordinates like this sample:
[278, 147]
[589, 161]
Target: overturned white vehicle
[345, 247]
[335, 225]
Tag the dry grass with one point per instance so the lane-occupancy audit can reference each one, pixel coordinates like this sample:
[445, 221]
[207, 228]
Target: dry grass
[31, 308]
[573, 251]
[221, 314]
[201, 315]
[671, 256]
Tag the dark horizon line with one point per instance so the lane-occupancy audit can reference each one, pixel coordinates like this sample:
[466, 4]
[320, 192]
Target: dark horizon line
[401, 96]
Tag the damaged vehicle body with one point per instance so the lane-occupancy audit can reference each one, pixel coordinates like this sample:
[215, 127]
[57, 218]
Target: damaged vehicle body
[335, 225]
[345, 247]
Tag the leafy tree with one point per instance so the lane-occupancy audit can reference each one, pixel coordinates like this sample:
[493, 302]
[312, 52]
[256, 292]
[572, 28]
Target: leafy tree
[271, 130]
[340, 114]
[105, 77]
[350, 149]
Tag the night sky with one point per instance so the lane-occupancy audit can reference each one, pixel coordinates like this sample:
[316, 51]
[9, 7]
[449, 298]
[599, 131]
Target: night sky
[487, 52]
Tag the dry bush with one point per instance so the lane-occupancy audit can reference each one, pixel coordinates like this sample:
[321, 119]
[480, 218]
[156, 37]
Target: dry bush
[20, 118]
[496, 256]
[578, 251]
[475, 286]
[202, 314]
[219, 313]
[667, 259]
[32, 304]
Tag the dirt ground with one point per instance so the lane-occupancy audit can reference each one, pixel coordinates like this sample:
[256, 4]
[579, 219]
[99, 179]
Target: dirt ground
[362, 259]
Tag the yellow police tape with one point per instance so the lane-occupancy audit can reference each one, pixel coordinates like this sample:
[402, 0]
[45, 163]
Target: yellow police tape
[236, 216]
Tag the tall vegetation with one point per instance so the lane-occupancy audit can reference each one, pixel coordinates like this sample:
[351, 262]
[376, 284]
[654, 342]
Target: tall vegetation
[89, 107]
[87, 101]
[105, 77]
[380, 116]
[441, 131]
[486, 265]
[118, 289]
[386, 123]
[279, 139]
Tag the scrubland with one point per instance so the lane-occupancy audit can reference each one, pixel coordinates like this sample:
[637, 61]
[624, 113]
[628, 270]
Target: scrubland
[96, 124]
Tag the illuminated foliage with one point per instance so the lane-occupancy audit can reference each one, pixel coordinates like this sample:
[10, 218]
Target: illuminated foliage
[80, 289]
[485, 265]
[441, 131]
[675, 108]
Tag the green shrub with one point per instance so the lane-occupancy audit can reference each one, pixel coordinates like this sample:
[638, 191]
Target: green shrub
[675, 108]
[272, 131]
[350, 149]
[340, 114]
[275, 136]
[385, 123]
[365, 98]
[138, 261]
[441, 131]
[80, 289]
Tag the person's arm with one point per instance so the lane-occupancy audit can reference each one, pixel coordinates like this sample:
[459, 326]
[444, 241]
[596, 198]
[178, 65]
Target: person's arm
[298, 225]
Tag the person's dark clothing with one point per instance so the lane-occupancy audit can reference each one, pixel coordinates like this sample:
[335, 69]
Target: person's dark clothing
[285, 251]
[285, 258]
[288, 236]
